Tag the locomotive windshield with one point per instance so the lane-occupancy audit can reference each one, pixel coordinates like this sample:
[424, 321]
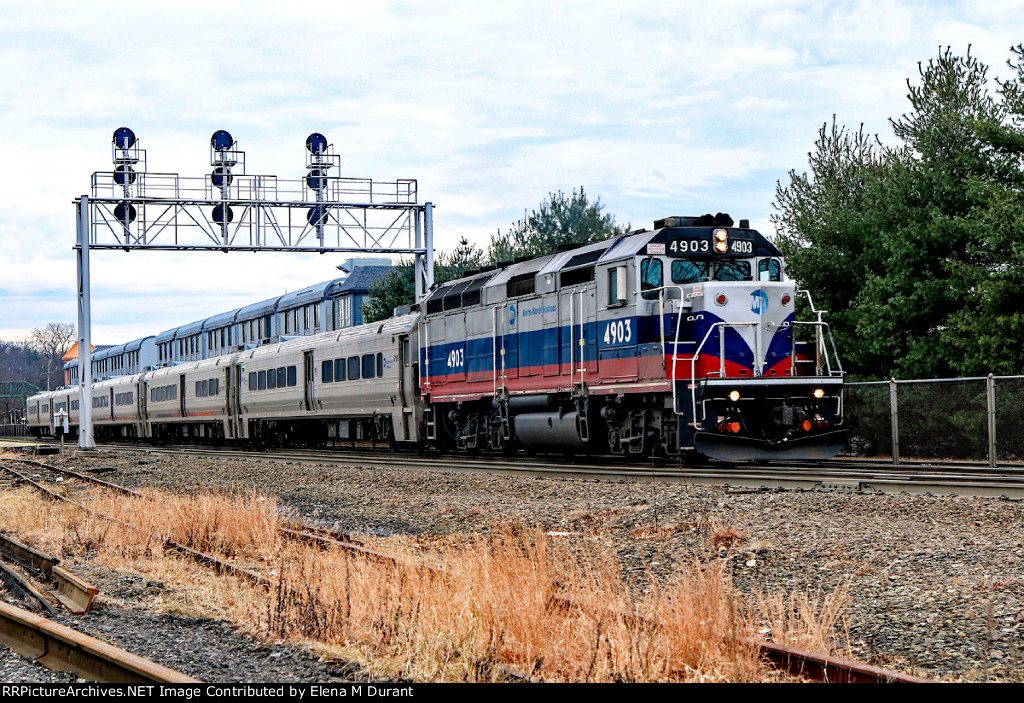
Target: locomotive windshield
[684, 271]
[689, 271]
[732, 270]
[769, 270]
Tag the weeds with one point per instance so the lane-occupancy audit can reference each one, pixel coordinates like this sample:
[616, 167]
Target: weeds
[488, 604]
[726, 536]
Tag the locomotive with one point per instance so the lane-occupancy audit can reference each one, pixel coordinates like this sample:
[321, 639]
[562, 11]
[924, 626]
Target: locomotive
[676, 341]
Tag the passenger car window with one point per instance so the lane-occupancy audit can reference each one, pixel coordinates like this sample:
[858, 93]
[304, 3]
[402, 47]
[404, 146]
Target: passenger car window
[327, 371]
[262, 380]
[368, 365]
[339, 369]
[291, 376]
[252, 380]
[353, 368]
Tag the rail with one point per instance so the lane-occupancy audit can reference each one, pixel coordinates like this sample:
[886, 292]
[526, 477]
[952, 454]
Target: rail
[74, 594]
[61, 648]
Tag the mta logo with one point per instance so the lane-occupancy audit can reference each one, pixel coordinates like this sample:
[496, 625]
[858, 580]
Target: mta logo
[511, 315]
[759, 304]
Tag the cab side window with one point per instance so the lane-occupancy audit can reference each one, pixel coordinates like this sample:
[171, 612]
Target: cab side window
[769, 270]
[651, 278]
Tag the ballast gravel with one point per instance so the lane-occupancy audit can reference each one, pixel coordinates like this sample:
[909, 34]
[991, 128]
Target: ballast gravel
[935, 583]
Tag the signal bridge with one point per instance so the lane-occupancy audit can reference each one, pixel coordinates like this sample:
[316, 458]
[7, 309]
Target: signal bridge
[130, 208]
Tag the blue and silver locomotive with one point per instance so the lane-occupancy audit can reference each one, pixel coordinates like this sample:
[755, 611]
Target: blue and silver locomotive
[678, 341]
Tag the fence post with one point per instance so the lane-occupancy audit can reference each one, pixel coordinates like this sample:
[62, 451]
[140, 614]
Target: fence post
[895, 422]
[991, 393]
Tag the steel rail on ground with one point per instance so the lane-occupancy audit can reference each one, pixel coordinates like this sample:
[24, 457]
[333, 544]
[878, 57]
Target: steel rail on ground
[61, 648]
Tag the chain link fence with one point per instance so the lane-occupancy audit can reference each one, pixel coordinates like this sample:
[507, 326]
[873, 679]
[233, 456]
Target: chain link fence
[958, 419]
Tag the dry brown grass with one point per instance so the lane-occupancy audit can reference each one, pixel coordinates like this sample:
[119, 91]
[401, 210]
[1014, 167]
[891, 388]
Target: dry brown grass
[491, 604]
[722, 536]
[810, 621]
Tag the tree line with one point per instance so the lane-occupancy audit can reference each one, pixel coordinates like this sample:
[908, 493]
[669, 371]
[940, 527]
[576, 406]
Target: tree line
[36, 361]
[560, 220]
[916, 248]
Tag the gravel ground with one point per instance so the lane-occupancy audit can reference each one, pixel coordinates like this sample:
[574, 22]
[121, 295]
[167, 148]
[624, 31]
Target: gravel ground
[936, 583]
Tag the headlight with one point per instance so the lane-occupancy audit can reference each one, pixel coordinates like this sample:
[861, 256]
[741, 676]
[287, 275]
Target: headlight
[819, 393]
[734, 396]
[721, 241]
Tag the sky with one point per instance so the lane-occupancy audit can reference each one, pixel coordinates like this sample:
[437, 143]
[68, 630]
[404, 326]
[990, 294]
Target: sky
[656, 108]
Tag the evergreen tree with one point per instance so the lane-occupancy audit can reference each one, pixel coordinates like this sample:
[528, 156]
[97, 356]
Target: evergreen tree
[398, 287]
[915, 248]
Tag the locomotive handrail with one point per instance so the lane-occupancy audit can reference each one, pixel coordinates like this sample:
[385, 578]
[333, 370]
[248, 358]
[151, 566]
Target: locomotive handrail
[818, 336]
[661, 314]
[821, 352]
[582, 342]
[495, 347]
[573, 342]
[693, 365]
[675, 343]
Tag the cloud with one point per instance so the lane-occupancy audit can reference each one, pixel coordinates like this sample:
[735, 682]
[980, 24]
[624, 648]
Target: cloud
[657, 108]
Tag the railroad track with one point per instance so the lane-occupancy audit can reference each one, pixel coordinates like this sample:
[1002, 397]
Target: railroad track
[834, 474]
[810, 665]
[848, 475]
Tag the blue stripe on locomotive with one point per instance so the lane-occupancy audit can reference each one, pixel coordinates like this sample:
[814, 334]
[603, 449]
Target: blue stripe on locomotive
[547, 347]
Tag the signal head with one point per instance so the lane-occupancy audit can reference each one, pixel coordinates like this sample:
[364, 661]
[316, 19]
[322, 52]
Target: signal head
[317, 215]
[123, 138]
[125, 213]
[223, 215]
[316, 143]
[316, 179]
[221, 177]
[221, 140]
[124, 175]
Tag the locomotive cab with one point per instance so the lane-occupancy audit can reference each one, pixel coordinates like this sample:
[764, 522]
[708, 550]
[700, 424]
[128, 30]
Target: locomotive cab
[749, 381]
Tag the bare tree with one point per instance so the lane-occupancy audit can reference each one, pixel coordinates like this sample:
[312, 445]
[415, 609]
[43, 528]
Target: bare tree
[52, 342]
